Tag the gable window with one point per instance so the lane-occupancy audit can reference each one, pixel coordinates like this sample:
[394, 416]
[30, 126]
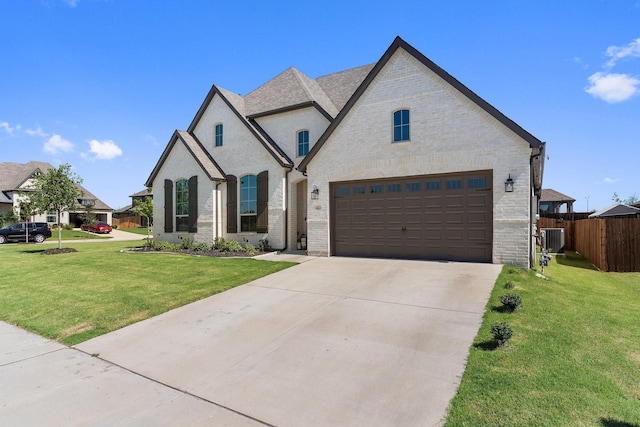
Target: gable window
[401, 126]
[182, 205]
[303, 143]
[248, 203]
[218, 135]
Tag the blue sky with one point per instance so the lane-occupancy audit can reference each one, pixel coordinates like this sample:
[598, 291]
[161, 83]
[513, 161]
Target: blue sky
[102, 84]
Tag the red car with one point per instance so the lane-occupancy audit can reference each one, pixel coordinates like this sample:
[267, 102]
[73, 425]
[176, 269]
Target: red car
[98, 227]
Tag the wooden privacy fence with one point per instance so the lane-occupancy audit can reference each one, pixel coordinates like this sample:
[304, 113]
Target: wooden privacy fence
[611, 244]
[132, 221]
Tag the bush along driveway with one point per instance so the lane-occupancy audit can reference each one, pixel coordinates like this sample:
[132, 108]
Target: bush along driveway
[573, 357]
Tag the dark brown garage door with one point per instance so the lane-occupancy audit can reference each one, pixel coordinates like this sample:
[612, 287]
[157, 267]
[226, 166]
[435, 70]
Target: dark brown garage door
[440, 217]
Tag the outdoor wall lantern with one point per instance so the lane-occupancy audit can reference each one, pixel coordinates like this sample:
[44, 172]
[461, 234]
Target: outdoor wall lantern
[314, 193]
[508, 185]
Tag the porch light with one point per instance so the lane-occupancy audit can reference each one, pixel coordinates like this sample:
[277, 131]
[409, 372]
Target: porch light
[314, 193]
[508, 185]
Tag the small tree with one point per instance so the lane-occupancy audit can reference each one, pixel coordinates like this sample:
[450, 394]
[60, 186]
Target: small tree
[144, 208]
[88, 216]
[631, 200]
[56, 191]
[7, 218]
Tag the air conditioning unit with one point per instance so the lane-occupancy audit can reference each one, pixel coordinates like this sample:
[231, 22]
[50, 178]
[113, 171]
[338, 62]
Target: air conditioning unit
[553, 240]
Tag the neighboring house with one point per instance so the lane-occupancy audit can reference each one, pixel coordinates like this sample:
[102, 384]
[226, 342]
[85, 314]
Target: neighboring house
[126, 216]
[617, 211]
[552, 201]
[393, 159]
[17, 177]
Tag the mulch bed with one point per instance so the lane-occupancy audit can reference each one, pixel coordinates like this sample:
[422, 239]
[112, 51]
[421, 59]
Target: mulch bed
[58, 251]
[209, 253]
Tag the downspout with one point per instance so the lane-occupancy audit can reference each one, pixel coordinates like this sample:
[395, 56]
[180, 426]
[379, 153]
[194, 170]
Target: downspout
[215, 219]
[534, 212]
[286, 209]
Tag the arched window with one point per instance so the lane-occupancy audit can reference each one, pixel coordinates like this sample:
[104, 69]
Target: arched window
[218, 135]
[182, 205]
[248, 203]
[401, 126]
[303, 143]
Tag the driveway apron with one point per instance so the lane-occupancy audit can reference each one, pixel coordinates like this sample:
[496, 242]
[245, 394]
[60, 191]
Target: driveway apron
[332, 341]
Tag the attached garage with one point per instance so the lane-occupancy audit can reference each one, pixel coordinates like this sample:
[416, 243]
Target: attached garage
[438, 217]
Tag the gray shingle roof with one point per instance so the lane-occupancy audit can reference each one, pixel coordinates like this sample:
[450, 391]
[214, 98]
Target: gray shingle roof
[549, 195]
[199, 153]
[142, 193]
[616, 210]
[13, 175]
[340, 86]
[287, 89]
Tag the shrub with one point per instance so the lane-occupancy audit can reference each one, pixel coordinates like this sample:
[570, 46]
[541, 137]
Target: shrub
[511, 302]
[201, 247]
[264, 245]
[187, 243]
[250, 249]
[501, 332]
[162, 245]
[218, 243]
[509, 285]
[230, 246]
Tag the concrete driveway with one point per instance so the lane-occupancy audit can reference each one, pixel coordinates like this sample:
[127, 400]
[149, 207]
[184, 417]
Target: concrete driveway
[333, 341]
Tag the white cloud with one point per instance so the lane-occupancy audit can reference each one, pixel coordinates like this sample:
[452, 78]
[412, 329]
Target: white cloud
[71, 3]
[616, 53]
[608, 180]
[105, 150]
[613, 87]
[8, 129]
[36, 132]
[56, 144]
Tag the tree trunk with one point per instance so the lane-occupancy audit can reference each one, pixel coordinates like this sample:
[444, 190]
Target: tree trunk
[59, 230]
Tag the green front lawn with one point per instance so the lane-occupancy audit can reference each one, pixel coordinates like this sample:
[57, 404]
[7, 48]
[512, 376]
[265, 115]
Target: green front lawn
[138, 230]
[574, 358]
[76, 296]
[75, 234]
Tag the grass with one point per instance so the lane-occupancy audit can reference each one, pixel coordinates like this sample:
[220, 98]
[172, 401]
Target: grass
[77, 296]
[75, 235]
[138, 230]
[574, 358]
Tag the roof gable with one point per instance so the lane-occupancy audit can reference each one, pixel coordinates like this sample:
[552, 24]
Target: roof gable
[195, 148]
[549, 195]
[616, 210]
[237, 105]
[14, 175]
[398, 43]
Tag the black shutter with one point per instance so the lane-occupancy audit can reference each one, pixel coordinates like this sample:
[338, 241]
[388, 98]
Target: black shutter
[262, 221]
[232, 204]
[168, 206]
[193, 204]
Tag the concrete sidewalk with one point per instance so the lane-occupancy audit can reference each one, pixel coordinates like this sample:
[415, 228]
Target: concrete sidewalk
[332, 341]
[43, 383]
[114, 236]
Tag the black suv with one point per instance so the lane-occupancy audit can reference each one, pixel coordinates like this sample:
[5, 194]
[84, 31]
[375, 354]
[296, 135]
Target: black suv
[38, 232]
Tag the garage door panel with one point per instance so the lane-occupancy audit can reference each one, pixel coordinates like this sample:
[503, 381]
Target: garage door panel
[429, 217]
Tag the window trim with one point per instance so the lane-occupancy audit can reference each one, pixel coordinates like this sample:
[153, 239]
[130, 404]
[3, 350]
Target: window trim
[181, 204]
[303, 144]
[401, 126]
[218, 137]
[241, 201]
